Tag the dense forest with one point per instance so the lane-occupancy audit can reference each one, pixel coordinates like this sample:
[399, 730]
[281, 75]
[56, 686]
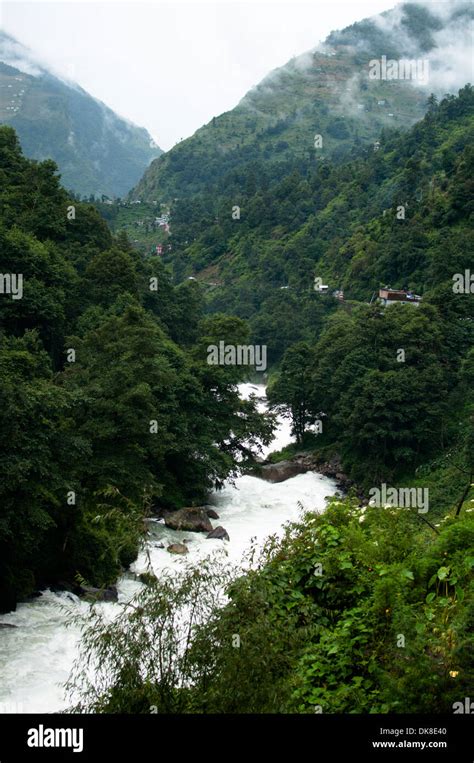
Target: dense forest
[109, 408]
[398, 215]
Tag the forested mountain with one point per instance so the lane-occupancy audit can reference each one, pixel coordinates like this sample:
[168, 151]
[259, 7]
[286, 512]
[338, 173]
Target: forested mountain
[97, 151]
[327, 92]
[400, 215]
[108, 403]
[386, 216]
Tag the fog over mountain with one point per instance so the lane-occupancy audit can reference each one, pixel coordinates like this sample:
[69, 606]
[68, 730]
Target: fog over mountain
[328, 91]
[97, 151]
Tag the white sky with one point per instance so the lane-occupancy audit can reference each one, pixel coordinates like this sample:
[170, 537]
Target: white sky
[171, 67]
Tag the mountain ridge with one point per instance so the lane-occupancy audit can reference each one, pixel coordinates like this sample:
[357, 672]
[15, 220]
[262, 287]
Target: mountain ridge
[325, 91]
[97, 151]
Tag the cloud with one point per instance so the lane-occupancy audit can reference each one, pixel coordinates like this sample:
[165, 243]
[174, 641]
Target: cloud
[14, 54]
[450, 58]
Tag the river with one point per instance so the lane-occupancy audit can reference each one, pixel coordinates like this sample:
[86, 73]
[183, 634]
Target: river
[37, 655]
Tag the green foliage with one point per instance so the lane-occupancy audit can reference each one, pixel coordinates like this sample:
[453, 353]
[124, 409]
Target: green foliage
[290, 394]
[109, 404]
[271, 131]
[392, 385]
[140, 661]
[338, 220]
[353, 611]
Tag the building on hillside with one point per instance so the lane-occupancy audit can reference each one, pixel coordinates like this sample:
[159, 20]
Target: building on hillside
[388, 296]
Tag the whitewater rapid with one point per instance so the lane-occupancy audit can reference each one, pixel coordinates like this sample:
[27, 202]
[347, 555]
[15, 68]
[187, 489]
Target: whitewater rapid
[36, 656]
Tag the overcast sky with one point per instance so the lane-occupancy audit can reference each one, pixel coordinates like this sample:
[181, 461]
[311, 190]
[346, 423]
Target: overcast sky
[171, 67]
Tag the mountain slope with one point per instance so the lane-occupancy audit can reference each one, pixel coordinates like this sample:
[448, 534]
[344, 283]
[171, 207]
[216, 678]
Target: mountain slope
[97, 151]
[386, 216]
[325, 92]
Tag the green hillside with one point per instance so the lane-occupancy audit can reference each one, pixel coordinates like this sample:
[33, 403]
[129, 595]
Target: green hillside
[325, 92]
[97, 151]
[386, 216]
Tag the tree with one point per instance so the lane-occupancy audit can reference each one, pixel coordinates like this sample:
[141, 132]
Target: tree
[290, 394]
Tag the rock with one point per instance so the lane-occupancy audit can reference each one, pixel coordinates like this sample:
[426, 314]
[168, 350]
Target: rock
[7, 625]
[99, 594]
[282, 470]
[192, 519]
[62, 585]
[212, 514]
[177, 548]
[333, 469]
[158, 512]
[305, 462]
[220, 533]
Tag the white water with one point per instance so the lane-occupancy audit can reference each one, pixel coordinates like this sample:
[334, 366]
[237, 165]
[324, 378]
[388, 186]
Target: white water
[36, 657]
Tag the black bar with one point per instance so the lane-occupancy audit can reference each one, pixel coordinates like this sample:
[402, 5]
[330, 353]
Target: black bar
[150, 737]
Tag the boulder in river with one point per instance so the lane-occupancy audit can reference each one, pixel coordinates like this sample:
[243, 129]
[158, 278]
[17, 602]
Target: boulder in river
[98, 594]
[192, 519]
[220, 533]
[63, 585]
[212, 514]
[282, 470]
[7, 625]
[305, 462]
[177, 548]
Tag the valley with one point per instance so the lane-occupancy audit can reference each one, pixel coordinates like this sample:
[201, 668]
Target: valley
[270, 325]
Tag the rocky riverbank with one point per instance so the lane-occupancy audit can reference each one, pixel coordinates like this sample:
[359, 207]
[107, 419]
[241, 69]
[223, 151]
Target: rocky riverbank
[301, 463]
